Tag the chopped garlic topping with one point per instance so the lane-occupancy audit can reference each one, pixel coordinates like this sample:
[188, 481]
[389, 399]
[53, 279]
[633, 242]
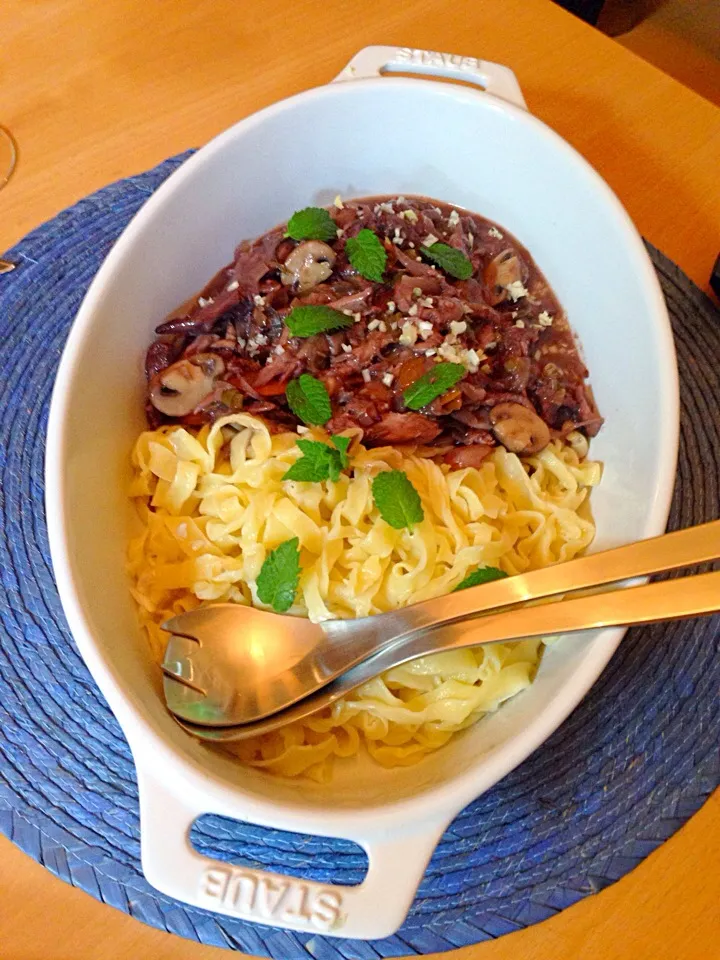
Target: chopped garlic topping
[413, 310]
[409, 334]
[409, 215]
[232, 286]
[470, 359]
[494, 232]
[338, 202]
[346, 347]
[416, 291]
[520, 324]
[516, 290]
[430, 239]
[457, 327]
[202, 302]
[473, 360]
[259, 301]
[425, 328]
[545, 320]
[454, 218]
[366, 376]
[373, 325]
[387, 379]
[450, 352]
[390, 306]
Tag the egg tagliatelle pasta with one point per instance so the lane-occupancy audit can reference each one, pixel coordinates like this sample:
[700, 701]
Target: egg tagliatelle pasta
[212, 504]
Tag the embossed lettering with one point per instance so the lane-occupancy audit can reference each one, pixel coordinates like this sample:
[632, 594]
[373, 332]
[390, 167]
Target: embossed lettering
[214, 883]
[269, 896]
[260, 897]
[433, 58]
[296, 903]
[326, 910]
[241, 892]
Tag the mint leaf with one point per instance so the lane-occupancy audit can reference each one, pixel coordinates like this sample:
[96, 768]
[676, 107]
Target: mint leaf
[278, 580]
[342, 444]
[314, 465]
[432, 384]
[312, 223]
[367, 254]
[449, 259]
[308, 399]
[481, 575]
[319, 461]
[397, 499]
[307, 321]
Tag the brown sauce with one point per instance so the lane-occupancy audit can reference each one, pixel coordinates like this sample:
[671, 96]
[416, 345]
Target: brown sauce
[503, 324]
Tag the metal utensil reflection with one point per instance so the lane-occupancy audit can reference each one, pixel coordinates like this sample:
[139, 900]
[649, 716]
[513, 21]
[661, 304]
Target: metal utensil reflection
[228, 665]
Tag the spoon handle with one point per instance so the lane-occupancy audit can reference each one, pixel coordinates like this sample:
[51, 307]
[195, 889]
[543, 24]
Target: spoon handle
[667, 600]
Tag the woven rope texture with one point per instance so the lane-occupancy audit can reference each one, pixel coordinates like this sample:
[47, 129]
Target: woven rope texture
[633, 762]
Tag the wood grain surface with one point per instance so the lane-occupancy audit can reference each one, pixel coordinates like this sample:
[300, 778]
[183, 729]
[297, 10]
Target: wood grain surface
[98, 91]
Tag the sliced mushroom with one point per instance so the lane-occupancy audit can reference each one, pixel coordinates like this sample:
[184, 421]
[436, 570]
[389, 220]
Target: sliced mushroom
[504, 269]
[310, 263]
[518, 429]
[179, 389]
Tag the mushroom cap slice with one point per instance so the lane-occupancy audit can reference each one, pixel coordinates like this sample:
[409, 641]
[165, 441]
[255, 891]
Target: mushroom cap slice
[506, 268]
[310, 263]
[519, 429]
[178, 389]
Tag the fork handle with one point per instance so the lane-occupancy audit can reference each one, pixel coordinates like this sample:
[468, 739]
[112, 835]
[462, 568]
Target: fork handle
[671, 551]
[668, 600]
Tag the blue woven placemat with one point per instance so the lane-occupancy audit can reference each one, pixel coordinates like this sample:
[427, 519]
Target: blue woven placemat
[627, 769]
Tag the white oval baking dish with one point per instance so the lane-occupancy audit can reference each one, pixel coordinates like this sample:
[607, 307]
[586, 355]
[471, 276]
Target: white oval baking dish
[370, 134]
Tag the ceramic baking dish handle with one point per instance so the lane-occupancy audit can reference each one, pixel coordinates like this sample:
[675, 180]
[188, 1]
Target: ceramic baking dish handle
[494, 78]
[372, 910]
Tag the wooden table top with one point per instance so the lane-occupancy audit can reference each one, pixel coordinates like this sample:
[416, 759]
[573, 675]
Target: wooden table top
[98, 91]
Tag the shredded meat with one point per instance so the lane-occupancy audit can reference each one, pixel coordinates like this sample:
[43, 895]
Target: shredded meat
[514, 341]
[402, 428]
